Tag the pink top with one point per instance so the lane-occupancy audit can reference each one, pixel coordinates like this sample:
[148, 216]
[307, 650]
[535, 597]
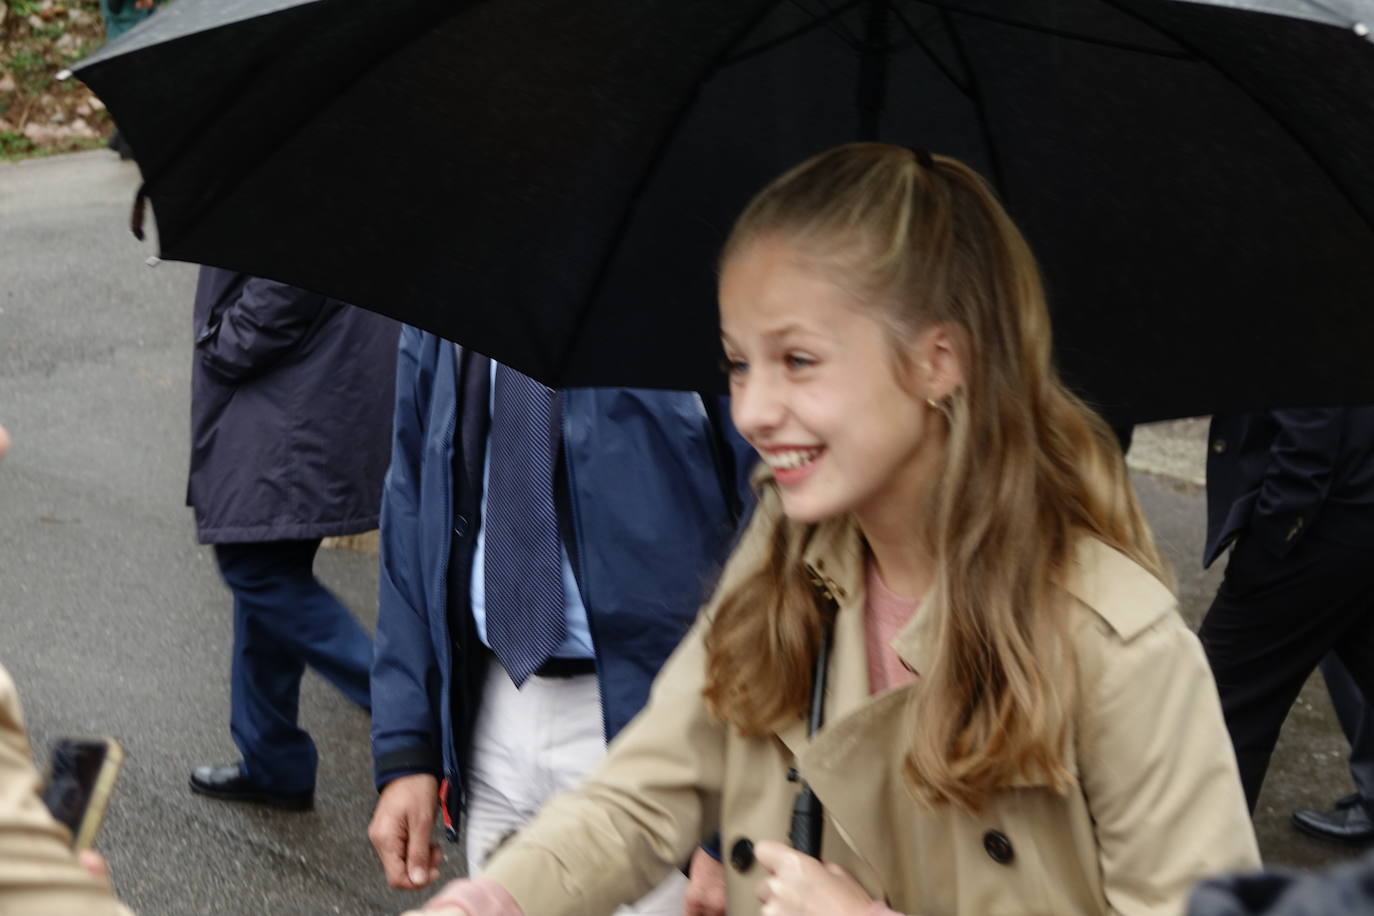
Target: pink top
[885, 612]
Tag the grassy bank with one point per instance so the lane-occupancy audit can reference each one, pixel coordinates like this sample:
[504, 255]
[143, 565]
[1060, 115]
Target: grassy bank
[38, 114]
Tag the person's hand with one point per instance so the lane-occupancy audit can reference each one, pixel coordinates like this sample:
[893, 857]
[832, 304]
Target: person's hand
[4, 442]
[798, 885]
[401, 829]
[705, 886]
[470, 897]
[143, 4]
[93, 863]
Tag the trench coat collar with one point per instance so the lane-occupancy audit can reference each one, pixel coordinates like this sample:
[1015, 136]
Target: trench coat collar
[837, 556]
[1119, 591]
[1127, 597]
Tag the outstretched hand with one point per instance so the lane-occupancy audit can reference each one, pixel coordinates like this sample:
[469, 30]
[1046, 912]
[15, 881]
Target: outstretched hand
[470, 897]
[401, 829]
[798, 885]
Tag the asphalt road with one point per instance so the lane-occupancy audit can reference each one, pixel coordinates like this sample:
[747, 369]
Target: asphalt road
[113, 621]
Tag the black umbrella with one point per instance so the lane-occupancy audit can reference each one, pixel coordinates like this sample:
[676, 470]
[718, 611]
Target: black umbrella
[548, 181]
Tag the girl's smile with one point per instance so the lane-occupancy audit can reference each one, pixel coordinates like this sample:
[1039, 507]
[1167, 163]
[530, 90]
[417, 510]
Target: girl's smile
[791, 465]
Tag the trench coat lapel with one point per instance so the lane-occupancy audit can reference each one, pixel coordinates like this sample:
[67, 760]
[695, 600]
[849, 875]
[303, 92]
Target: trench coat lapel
[855, 768]
[836, 558]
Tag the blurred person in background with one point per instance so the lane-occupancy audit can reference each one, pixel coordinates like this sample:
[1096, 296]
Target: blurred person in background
[1291, 492]
[120, 16]
[40, 875]
[1341, 890]
[290, 426]
[542, 553]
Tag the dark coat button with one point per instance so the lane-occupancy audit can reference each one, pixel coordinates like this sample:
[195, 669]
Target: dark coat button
[460, 526]
[998, 847]
[742, 854]
[1219, 446]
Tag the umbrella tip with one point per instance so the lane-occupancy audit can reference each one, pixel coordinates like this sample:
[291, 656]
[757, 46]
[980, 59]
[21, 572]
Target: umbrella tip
[64, 75]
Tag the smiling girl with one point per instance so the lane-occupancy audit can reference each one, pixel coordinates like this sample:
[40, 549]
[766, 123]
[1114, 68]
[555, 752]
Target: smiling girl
[1017, 719]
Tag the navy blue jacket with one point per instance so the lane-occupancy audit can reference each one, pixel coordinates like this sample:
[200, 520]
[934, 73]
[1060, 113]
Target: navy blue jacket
[1279, 475]
[652, 491]
[291, 398]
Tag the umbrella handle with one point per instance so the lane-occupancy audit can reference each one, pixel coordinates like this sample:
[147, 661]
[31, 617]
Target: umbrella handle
[804, 834]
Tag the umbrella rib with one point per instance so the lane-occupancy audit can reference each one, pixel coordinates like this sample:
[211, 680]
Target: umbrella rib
[1259, 102]
[975, 95]
[794, 33]
[831, 16]
[1061, 33]
[660, 150]
[939, 63]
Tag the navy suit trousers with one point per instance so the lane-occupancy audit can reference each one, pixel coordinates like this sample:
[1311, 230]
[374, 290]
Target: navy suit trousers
[284, 619]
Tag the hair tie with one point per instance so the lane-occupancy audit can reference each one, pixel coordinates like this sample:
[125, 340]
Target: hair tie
[923, 157]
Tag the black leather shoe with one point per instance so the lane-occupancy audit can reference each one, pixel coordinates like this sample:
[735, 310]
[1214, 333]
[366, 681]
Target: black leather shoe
[1348, 823]
[229, 784]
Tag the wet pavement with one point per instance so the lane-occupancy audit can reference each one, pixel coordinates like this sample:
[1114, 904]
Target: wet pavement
[113, 621]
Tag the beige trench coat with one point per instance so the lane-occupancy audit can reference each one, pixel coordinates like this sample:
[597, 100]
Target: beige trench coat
[39, 874]
[1157, 807]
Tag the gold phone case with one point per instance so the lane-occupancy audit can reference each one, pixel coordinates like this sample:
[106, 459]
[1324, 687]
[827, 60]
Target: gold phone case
[100, 795]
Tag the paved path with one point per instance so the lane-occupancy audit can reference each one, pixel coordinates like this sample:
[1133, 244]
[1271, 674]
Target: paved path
[113, 621]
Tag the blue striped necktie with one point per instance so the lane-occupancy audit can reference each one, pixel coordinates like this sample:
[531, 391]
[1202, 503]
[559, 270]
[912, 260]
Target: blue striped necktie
[523, 554]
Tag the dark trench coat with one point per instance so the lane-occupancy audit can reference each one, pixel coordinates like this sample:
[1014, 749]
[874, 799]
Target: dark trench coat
[291, 403]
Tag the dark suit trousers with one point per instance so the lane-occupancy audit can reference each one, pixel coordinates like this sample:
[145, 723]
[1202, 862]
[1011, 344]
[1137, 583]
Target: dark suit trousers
[284, 619]
[1272, 621]
[1357, 721]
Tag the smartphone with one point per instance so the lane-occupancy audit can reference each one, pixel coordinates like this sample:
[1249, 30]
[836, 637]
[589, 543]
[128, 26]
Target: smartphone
[80, 780]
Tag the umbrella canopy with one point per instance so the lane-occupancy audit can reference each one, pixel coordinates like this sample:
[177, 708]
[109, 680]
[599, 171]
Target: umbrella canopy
[549, 181]
[1356, 15]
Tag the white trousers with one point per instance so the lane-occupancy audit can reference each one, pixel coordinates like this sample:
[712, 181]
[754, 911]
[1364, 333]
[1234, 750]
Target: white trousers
[528, 745]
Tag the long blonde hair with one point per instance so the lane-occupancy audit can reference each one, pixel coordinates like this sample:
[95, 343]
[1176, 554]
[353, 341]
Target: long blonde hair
[1027, 468]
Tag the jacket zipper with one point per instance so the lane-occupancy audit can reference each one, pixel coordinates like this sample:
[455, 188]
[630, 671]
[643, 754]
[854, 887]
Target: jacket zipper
[577, 536]
[448, 798]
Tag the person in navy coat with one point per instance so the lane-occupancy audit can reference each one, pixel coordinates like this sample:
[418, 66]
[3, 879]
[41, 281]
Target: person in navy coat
[643, 491]
[1292, 493]
[291, 405]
